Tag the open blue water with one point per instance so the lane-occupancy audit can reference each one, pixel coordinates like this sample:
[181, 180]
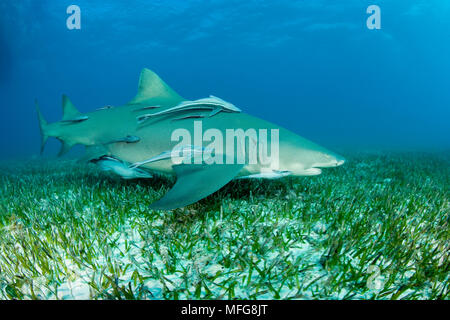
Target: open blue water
[311, 66]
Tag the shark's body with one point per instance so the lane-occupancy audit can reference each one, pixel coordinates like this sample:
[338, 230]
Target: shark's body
[128, 133]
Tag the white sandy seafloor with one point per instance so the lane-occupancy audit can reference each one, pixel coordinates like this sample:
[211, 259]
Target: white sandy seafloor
[130, 248]
[129, 245]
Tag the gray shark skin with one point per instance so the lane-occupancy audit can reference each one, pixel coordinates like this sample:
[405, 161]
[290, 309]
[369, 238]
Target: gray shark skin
[105, 132]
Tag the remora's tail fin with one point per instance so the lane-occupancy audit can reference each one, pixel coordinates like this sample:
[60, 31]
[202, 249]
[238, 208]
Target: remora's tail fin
[42, 126]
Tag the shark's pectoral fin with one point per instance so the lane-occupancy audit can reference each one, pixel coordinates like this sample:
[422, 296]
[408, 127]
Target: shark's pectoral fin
[195, 182]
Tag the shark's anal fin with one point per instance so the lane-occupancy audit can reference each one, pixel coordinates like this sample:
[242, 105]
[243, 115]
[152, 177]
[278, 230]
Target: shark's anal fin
[195, 182]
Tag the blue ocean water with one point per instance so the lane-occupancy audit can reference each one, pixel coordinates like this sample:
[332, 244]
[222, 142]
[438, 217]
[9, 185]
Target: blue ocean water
[311, 66]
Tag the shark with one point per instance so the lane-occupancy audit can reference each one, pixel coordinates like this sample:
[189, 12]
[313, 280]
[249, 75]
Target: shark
[159, 131]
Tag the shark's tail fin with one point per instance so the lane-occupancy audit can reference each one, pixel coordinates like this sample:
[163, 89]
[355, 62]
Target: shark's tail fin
[42, 126]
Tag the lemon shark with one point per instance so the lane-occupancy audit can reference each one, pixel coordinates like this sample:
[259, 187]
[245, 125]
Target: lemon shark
[205, 143]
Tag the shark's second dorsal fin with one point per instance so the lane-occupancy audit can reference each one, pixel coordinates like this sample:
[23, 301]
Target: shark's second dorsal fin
[152, 87]
[69, 110]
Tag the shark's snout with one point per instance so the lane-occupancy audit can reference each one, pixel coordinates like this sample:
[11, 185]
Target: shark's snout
[329, 160]
[340, 160]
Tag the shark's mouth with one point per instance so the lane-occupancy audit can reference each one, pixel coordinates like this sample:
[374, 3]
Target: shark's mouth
[337, 163]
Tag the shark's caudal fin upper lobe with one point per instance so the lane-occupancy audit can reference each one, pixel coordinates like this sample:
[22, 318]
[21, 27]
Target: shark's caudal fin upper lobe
[42, 126]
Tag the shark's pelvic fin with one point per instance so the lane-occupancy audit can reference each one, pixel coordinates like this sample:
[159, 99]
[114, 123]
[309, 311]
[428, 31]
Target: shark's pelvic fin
[191, 187]
[42, 126]
[152, 86]
[69, 110]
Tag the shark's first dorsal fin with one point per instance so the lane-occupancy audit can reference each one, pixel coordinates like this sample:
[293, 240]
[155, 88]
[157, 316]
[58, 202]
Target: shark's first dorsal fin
[69, 110]
[152, 87]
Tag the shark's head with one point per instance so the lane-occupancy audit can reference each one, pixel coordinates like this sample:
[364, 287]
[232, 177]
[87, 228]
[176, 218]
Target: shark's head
[327, 159]
[308, 159]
